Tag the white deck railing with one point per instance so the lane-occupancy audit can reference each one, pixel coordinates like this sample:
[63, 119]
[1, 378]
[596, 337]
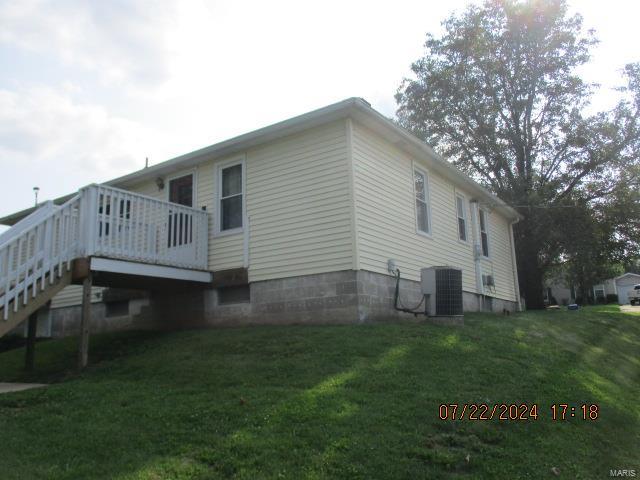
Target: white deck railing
[99, 221]
[43, 210]
[40, 251]
[129, 226]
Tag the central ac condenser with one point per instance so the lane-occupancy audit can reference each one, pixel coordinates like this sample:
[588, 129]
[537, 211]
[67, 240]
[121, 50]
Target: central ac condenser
[443, 289]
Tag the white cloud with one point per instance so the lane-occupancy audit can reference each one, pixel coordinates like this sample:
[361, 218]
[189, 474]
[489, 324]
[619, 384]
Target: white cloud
[127, 79]
[47, 139]
[123, 41]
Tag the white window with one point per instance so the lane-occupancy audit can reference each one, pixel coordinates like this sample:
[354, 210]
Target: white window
[231, 197]
[461, 212]
[421, 189]
[598, 292]
[484, 232]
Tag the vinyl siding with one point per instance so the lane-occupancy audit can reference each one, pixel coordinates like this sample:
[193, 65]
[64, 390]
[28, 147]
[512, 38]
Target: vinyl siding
[499, 263]
[386, 219]
[629, 280]
[300, 201]
[299, 205]
[72, 295]
[297, 199]
[150, 189]
[225, 251]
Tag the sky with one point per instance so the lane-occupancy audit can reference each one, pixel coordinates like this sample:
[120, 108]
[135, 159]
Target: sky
[89, 89]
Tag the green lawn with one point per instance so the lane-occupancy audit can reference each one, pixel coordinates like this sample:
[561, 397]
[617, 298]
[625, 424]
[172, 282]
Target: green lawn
[330, 402]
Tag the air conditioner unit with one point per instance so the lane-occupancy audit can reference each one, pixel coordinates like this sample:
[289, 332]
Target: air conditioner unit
[488, 281]
[443, 288]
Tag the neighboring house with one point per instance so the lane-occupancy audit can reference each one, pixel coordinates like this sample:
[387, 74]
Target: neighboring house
[623, 284]
[292, 223]
[556, 289]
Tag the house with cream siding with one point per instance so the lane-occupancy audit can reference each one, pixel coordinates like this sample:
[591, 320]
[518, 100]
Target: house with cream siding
[297, 222]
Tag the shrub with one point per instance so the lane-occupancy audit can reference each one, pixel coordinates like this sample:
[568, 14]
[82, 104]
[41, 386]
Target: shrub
[612, 298]
[11, 341]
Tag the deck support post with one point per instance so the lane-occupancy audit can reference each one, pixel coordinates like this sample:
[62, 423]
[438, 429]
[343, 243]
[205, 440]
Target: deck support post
[85, 322]
[30, 353]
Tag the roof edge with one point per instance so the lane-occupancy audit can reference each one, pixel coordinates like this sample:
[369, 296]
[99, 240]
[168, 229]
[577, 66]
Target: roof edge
[445, 166]
[351, 107]
[246, 140]
[626, 275]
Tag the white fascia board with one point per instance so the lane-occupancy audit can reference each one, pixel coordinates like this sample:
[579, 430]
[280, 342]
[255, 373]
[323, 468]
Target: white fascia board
[628, 274]
[354, 107]
[242, 142]
[224, 148]
[99, 264]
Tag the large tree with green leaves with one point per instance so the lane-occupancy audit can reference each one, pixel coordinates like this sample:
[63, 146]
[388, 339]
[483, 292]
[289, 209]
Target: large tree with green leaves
[499, 95]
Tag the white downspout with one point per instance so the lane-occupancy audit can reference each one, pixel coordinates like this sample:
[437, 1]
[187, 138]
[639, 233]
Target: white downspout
[245, 243]
[516, 283]
[477, 250]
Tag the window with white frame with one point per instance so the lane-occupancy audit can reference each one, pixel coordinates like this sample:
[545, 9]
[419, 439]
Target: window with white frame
[598, 292]
[462, 217]
[231, 188]
[484, 232]
[421, 189]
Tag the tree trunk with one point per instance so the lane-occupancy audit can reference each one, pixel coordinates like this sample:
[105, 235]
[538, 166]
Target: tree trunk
[530, 274]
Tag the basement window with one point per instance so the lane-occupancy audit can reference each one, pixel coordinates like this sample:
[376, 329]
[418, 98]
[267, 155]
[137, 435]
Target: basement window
[233, 295]
[117, 309]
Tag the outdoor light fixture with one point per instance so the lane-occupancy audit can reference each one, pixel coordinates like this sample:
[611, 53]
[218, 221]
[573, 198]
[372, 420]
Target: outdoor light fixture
[160, 183]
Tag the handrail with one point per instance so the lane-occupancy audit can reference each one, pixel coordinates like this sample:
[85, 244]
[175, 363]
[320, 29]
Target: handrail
[99, 221]
[34, 217]
[43, 249]
[144, 197]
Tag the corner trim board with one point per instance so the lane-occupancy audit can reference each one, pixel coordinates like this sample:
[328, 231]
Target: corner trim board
[352, 195]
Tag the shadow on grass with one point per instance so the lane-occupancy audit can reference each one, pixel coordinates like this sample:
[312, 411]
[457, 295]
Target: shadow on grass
[56, 360]
[339, 402]
[167, 397]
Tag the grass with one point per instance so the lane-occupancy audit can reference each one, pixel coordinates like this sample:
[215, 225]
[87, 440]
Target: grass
[330, 402]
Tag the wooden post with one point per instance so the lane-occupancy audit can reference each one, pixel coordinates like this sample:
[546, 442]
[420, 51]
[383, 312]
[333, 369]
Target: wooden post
[85, 322]
[32, 326]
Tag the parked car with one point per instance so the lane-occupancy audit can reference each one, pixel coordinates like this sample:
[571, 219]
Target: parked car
[634, 295]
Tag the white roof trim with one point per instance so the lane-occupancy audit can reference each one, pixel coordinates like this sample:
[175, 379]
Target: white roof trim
[628, 274]
[355, 107]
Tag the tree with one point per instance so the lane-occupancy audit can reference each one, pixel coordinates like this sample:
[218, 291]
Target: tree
[592, 250]
[499, 95]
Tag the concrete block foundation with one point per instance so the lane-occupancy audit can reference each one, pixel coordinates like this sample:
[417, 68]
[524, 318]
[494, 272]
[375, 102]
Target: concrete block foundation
[347, 296]
[65, 321]
[343, 297]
